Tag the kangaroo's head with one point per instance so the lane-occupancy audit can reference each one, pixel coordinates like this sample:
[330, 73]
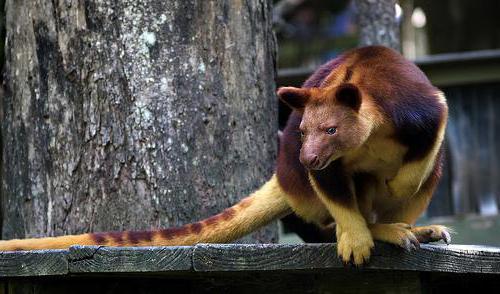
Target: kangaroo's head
[332, 123]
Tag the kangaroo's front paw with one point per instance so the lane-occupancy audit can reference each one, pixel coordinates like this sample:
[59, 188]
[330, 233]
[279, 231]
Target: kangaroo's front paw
[399, 234]
[355, 246]
[432, 233]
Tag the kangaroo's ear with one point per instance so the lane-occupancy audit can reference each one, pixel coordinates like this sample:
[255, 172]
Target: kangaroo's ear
[349, 95]
[296, 98]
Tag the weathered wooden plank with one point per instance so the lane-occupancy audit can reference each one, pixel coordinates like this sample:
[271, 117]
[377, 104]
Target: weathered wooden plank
[439, 258]
[433, 258]
[33, 263]
[96, 259]
[239, 258]
[264, 257]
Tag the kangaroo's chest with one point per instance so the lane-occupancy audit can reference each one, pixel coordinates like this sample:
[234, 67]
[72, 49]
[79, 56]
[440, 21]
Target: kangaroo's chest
[381, 158]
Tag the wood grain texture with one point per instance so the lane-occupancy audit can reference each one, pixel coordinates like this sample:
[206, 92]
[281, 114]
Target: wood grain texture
[244, 258]
[132, 115]
[265, 257]
[317, 257]
[95, 259]
[33, 263]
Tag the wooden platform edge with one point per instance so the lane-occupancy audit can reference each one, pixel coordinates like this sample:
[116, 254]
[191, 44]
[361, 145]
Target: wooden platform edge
[206, 258]
[33, 263]
[321, 257]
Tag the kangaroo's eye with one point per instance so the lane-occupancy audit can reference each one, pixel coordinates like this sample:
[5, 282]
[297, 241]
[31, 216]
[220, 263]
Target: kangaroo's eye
[331, 131]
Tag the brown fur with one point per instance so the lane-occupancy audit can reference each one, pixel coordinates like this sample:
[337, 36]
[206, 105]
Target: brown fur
[361, 147]
[382, 164]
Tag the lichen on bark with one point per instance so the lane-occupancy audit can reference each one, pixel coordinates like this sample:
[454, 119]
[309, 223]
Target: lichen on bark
[134, 114]
[377, 23]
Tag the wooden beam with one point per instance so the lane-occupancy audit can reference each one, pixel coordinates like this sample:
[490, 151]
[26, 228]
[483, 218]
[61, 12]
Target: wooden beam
[250, 258]
[318, 257]
[443, 70]
[98, 259]
[33, 263]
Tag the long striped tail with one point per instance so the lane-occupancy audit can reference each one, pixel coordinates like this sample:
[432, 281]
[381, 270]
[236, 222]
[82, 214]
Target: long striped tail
[263, 206]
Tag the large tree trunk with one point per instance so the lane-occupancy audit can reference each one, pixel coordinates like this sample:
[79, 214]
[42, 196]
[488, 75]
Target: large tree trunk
[377, 23]
[134, 114]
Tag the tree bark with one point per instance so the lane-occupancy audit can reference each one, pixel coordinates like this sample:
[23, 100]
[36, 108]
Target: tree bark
[134, 114]
[377, 23]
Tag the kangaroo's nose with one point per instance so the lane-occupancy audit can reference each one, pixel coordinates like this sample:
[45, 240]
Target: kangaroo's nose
[310, 161]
